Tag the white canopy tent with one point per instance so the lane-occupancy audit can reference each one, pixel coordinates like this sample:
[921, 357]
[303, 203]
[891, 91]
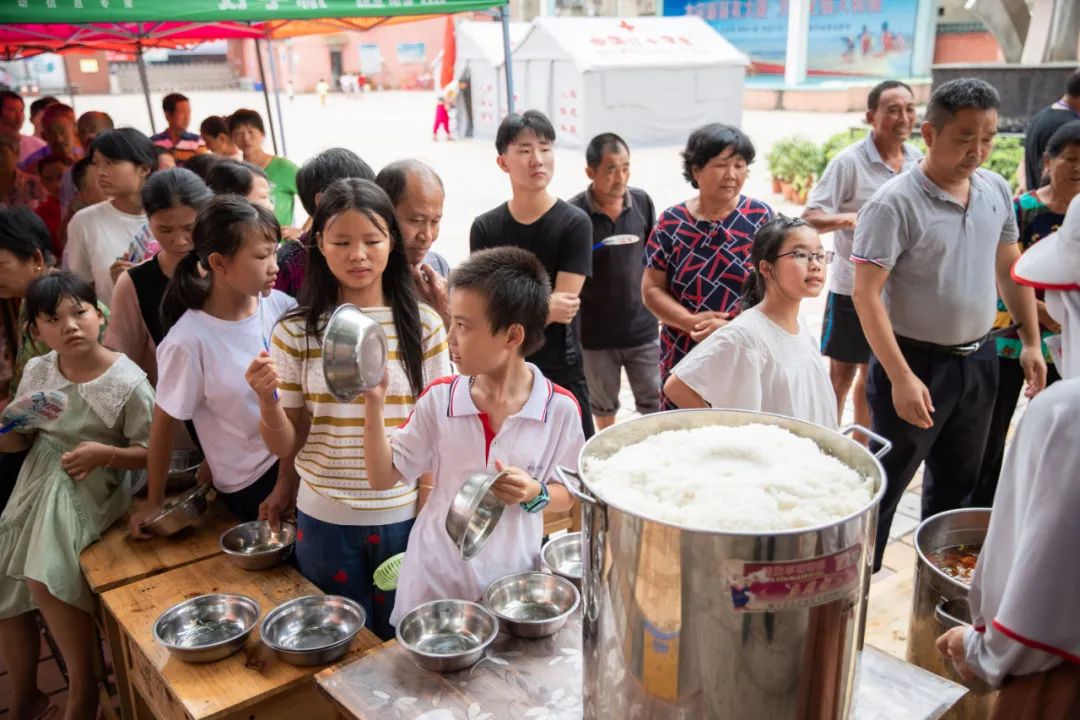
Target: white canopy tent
[480, 54]
[650, 79]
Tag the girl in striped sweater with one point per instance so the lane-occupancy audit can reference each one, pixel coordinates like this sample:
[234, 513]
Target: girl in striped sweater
[345, 529]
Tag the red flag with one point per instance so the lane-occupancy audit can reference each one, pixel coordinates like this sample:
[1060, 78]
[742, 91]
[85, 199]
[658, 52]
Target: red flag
[449, 57]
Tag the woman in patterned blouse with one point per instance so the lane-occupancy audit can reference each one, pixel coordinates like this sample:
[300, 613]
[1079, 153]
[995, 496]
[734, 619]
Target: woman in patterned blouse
[698, 254]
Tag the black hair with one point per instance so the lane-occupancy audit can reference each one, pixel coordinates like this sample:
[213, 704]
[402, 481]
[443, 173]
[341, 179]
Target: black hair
[767, 242]
[246, 117]
[49, 160]
[316, 174]
[202, 163]
[1072, 85]
[45, 293]
[515, 287]
[960, 94]
[126, 144]
[219, 228]
[175, 187]
[6, 95]
[42, 103]
[23, 233]
[233, 176]
[93, 120]
[78, 171]
[1066, 135]
[513, 125]
[707, 142]
[319, 293]
[170, 101]
[601, 145]
[214, 125]
[881, 88]
[394, 178]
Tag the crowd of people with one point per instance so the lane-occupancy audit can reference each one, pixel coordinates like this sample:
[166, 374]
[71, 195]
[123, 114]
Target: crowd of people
[160, 284]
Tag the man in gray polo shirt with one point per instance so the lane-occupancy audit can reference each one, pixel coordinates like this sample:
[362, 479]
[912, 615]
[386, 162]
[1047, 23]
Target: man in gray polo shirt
[849, 180]
[929, 247]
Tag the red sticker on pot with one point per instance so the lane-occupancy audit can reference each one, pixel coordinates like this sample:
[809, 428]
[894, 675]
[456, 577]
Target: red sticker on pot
[770, 586]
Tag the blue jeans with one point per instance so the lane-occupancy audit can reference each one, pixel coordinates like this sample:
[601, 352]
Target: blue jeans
[341, 560]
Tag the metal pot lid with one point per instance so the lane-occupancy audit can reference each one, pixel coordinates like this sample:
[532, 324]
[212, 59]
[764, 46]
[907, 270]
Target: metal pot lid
[355, 352]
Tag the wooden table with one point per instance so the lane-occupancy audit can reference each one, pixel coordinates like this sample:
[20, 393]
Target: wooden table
[117, 560]
[250, 685]
[542, 678]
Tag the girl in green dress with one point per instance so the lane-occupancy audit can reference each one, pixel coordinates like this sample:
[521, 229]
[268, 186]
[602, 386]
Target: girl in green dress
[72, 486]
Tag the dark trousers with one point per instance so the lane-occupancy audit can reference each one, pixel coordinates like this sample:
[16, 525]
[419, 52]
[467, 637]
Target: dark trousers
[1010, 383]
[575, 382]
[963, 390]
[244, 504]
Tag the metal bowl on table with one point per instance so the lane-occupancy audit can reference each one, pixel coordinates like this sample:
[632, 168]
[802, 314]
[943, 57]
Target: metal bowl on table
[473, 514]
[179, 513]
[207, 628]
[447, 635]
[183, 471]
[256, 546]
[312, 630]
[562, 556]
[354, 353]
[532, 604]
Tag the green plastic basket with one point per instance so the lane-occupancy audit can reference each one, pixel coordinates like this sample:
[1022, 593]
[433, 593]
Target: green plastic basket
[386, 575]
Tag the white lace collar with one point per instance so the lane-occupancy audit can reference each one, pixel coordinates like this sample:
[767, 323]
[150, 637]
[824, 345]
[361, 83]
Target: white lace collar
[106, 394]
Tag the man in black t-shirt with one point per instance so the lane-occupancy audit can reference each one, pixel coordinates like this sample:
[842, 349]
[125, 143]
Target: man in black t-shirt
[617, 331]
[1043, 125]
[560, 236]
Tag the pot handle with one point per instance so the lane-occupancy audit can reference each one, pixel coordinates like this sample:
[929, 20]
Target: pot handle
[886, 446]
[947, 619]
[564, 476]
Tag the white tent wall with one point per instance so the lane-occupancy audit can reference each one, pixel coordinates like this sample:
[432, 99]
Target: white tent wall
[651, 80]
[677, 101]
[480, 50]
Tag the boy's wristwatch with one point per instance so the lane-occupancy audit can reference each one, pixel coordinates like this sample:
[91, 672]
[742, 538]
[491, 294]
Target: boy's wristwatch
[539, 502]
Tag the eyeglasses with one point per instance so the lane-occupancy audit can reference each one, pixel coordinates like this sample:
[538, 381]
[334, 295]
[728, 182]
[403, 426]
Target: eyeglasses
[825, 257]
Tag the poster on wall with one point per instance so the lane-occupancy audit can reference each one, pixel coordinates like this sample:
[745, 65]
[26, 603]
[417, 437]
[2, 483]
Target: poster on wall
[865, 38]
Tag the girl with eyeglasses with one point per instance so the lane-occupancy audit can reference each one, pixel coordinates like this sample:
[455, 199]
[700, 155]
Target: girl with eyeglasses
[765, 359]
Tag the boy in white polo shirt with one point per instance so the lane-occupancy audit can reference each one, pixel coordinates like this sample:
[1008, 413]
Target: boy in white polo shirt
[500, 414]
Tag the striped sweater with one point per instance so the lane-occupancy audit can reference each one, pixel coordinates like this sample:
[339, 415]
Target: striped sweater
[331, 464]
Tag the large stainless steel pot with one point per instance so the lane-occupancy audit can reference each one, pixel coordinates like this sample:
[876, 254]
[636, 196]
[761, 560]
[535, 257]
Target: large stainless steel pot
[941, 602]
[686, 623]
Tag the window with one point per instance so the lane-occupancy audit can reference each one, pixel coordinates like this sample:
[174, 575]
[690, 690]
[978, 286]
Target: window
[410, 53]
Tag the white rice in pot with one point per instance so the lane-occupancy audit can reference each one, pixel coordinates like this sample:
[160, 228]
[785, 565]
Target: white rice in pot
[740, 479]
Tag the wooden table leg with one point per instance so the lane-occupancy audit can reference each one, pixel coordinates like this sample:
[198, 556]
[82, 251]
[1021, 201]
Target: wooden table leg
[119, 664]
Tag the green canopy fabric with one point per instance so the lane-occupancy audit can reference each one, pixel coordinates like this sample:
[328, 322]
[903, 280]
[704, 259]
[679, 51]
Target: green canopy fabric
[218, 11]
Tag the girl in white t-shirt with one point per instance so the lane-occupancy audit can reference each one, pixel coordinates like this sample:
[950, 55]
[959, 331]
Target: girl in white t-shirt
[765, 359]
[218, 311]
[346, 529]
[106, 239]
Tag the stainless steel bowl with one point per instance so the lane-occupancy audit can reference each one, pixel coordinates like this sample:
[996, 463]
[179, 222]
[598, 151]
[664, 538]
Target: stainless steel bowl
[354, 353]
[180, 513]
[562, 556]
[532, 604]
[255, 546]
[183, 471]
[208, 627]
[447, 635]
[312, 630]
[473, 514]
